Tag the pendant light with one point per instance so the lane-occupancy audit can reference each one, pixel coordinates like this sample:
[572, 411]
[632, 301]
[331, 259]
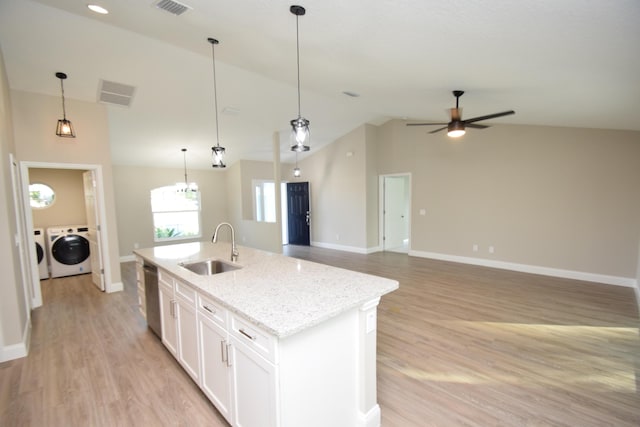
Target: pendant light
[64, 128]
[217, 152]
[300, 126]
[186, 186]
[296, 170]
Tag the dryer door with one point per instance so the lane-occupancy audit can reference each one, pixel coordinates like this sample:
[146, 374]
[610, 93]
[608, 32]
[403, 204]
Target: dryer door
[71, 249]
[39, 252]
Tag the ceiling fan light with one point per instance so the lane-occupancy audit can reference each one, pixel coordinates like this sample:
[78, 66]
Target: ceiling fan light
[455, 129]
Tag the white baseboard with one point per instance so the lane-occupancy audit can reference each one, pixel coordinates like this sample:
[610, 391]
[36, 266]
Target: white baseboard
[371, 419]
[19, 350]
[127, 258]
[354, 249]
[114, 287]
[534, 269]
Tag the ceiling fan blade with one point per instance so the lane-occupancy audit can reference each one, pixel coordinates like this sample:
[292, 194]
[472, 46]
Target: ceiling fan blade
[489, 116]
[476, 126]
[438, 130]
[426, 124]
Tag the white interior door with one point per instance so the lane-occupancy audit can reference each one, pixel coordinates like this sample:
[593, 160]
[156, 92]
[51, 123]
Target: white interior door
[90, 202]
[396, 213]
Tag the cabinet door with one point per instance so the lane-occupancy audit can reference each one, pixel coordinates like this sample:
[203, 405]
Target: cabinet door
[254, 383]
[188, 355]
[167, 317]
[215, 374]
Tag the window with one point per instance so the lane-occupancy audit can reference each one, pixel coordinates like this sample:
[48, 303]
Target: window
[264, 201]
[41, 196]
[176, 214]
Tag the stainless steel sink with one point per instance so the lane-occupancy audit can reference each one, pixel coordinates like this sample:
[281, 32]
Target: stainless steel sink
[209, 267]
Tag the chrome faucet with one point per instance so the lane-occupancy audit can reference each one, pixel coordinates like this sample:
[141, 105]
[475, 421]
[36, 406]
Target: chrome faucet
[234, 250]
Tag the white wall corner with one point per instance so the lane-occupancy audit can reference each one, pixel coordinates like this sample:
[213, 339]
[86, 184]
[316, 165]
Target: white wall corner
[114, 287]
[19, 350]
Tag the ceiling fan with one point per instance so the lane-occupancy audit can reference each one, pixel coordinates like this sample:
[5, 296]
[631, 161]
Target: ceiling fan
[456, 127]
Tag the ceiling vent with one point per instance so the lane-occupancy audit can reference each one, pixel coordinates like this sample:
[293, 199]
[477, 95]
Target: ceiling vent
[115, 93]
[173, 7]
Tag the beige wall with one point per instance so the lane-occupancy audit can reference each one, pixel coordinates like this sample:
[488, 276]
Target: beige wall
[34, 119]
[68, 207]
[544, 196]
[338, 182]
[252, 170]
[133, 187]
[260, 235]
[13, 305]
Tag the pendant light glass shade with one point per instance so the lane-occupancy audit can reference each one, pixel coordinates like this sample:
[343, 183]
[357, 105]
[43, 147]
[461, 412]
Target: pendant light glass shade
[186, 186]
[217, 152]
[300, 135]
[64, 127]
[296, 170]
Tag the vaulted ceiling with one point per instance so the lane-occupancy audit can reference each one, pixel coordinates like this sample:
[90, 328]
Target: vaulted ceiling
[559, 63]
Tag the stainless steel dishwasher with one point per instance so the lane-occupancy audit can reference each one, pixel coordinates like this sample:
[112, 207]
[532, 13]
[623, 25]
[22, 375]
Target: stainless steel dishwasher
[152, 295]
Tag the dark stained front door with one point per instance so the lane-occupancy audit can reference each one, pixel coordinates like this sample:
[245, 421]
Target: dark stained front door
[298, 213]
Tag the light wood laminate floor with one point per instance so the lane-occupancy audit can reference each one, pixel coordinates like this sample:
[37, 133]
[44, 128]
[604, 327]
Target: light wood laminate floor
[458, 345]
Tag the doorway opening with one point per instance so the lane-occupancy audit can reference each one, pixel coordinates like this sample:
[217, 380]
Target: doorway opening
[93, 203]
[395, 211]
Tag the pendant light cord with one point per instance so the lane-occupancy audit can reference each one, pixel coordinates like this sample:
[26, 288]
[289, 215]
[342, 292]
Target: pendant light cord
[298, 62]
[184, 156]
[64, 112]
[215, 90]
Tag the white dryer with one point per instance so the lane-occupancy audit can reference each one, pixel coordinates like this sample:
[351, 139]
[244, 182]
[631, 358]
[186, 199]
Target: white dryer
[69, 250]
[41, 253]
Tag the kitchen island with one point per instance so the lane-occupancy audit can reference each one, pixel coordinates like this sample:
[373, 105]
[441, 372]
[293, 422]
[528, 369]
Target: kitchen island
[277, 341]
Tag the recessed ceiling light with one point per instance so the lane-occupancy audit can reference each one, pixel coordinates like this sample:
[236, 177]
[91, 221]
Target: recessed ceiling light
[97, 9]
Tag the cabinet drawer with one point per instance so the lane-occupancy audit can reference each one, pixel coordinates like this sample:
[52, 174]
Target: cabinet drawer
[254, 338]
[186, 293]
[165, 280]
[212, 310]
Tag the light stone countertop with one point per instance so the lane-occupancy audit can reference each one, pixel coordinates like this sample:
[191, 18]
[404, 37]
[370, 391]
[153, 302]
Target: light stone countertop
[283, 295]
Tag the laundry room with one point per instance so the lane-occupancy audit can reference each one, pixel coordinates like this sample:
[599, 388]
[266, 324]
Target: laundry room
[60, 221]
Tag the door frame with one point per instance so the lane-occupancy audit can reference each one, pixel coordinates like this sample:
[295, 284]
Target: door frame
[381, 200]
[35, 290]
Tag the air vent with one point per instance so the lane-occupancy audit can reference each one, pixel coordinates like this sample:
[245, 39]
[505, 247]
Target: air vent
[173, 7]
[115, 93]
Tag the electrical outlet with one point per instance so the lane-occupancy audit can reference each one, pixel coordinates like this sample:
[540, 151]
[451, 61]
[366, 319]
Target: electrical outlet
[337, 236]
[136, 245]
[491, 249]
[475, 247]
[423, 211]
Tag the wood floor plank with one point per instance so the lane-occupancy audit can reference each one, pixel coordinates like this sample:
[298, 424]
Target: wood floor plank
[458, 345]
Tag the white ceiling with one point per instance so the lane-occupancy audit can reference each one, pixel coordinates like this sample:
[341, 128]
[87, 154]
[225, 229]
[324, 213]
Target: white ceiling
[560, 63]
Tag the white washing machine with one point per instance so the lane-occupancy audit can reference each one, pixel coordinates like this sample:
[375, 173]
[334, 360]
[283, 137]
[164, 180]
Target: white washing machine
[68, 247]
[41, 253]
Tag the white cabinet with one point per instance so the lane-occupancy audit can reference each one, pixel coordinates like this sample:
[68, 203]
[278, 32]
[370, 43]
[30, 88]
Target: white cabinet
[179, 322]
[254, 387]
[167, 313]
[322, 376]
[216, 378]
